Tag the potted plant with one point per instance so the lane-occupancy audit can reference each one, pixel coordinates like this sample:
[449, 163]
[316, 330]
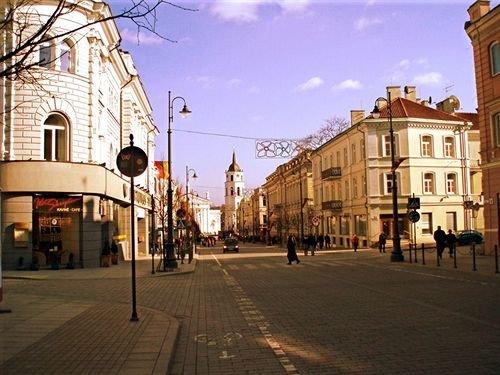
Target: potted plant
[114, 252]
[105, 256]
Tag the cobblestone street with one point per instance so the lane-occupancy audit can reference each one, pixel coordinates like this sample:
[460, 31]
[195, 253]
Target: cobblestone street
[332, 313]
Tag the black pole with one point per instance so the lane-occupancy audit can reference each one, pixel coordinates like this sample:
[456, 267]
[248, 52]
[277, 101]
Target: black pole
[153, 235]
[134, 317]
[409, 250]
[301, 208]
[474, 257]
[496, 258]
[397, 254]
[423, 254]
[170, 261]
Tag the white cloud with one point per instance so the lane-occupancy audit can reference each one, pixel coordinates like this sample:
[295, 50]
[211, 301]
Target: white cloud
[369, 3]
[234, 82]
[404, 64]
[204, 81]
[348, 84]
[254, 90]
[248, 11]
[310, 84]
[143, 37]
[431, 78]
[363, 23]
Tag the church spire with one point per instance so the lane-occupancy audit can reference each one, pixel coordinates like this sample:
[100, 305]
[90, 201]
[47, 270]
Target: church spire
[234, 167]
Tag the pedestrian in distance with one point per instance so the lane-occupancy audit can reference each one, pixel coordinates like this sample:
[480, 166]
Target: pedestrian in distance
[382, 240]
[451, 241]
[313, 243]
[327, 241]
[291, 250]
[440, 238]
[355, 242]
[321, 240]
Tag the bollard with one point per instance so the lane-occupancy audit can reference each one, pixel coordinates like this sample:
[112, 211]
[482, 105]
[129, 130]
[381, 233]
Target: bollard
[496, 258]
[423, 254]
[153, 260]
[415, 248]
[474, 257]
[455, 255]
[409, 250]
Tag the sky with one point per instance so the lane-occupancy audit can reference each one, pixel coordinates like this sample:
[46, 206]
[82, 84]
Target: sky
[279, 68]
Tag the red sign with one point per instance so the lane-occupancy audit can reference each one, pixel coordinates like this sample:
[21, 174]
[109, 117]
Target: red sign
[69, 204]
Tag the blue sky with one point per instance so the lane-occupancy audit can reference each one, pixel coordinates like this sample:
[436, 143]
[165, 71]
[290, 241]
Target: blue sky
[278, 69]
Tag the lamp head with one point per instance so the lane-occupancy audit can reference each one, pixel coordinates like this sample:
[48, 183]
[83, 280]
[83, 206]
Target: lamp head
[376, 112]
[195, 175]
[185, 112]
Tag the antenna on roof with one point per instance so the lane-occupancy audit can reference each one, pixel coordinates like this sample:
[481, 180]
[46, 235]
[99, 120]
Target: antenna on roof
[447, 89]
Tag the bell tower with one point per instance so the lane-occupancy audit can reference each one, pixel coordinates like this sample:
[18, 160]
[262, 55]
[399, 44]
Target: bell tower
[234, 186]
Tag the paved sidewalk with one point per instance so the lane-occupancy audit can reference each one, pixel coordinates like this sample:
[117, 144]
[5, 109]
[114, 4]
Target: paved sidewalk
[44, 335]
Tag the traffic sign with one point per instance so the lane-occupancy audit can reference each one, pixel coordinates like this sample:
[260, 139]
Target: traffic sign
[132, 161]
[413, 203]
[413, 216]
[315, 221]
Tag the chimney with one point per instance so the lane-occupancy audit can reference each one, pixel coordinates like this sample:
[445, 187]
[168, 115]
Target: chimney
[478, 10]
[207, 195]
[395, 91]
[357, 115]
[411, 93]
[449, 105]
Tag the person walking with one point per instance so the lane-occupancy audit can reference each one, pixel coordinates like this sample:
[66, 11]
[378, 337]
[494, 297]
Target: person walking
[451, 241]
[355, 242]
[327, 241]
[321, 240]
[291, 250]
[382, 240]
[440, 238]
[313, 243]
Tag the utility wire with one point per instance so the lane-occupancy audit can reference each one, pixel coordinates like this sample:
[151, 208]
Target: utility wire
[231, 135]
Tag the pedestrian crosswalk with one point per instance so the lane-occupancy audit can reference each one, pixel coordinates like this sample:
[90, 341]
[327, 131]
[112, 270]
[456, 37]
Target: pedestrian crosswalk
[279, 265]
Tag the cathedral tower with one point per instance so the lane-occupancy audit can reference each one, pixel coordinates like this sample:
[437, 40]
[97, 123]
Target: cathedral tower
[234, 193]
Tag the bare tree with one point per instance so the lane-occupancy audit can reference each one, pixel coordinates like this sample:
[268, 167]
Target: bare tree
[24, 30]
[330, 128]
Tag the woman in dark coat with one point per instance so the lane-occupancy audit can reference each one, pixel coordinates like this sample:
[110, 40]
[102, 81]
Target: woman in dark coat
[292, 253]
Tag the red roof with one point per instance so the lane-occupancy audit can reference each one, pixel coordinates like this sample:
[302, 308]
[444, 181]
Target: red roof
[471, 117]
[404, 108]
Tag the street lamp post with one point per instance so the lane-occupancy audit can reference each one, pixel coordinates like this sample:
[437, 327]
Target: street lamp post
[170, 261]
[397, 254]
[188, 171]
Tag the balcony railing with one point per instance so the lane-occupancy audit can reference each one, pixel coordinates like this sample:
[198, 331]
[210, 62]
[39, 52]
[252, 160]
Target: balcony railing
[332, 205]
[333, 172]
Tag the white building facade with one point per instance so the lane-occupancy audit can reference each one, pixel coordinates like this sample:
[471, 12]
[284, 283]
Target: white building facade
[62, 194]
[438, 152]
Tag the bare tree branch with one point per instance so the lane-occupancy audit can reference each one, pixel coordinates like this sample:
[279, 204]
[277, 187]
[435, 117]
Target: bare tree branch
[330, 129]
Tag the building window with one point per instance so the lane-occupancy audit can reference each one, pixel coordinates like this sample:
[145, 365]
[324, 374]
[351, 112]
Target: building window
[344, 225]
[386, 145]
[387, 183]
[264, 201]
[449, 147]
[451, 183]
[232, 178]
[496, 130]
[47, 54]
[345, 157]
[67, 58]
[451, 220]
[338, 159]
[355, 188]
[238, 191]
[427, 146]
[54, 135]
[428, 183]
[353, 153]
[495, 58]
[426, 222]
[232, 191]
[362, 149]
[347, 190]
[360, 225]
[339, 191]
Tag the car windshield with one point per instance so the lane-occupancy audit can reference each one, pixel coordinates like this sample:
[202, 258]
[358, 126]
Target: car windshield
[231, 241]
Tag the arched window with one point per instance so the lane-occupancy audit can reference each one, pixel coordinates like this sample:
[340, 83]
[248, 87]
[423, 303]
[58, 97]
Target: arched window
[449, 147]
[495, 58]
[429, 183]
[496, 129]
[238, 191]
[232, 191]
[67, 57]
[427, 145]
[55, 138]
[451, 183]
[47, 54]
[232, 177]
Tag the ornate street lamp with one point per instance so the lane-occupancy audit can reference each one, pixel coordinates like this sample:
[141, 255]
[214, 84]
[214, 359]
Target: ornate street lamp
[397, 254]
[170, 261]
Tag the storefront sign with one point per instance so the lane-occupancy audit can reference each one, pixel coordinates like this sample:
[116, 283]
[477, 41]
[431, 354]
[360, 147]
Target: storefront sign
[132, 161]
[68, 204]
